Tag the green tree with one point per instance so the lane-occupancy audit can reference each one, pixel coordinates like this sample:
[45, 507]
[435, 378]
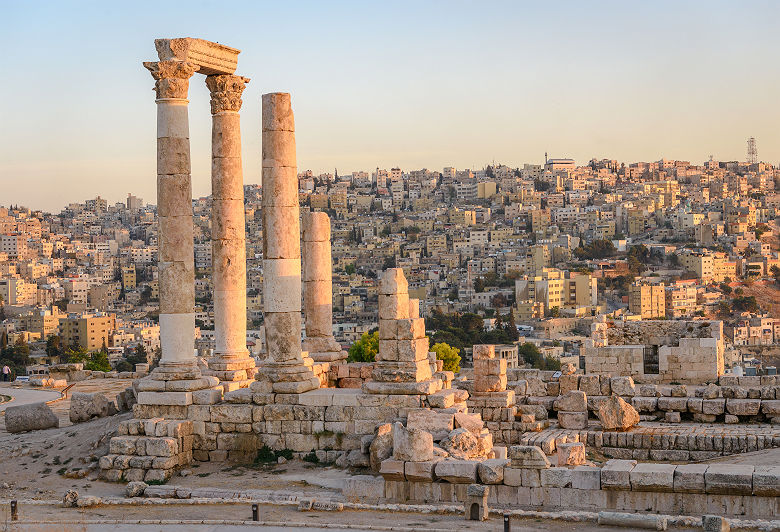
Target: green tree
[449, 355]
[54, 346]
[138, 356]
[365, 349]
[98, 361]
[349, 269]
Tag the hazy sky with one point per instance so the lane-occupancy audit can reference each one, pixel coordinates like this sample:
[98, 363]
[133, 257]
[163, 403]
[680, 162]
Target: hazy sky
[410, 84]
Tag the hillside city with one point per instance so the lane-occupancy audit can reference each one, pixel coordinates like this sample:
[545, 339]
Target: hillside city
[500, 255]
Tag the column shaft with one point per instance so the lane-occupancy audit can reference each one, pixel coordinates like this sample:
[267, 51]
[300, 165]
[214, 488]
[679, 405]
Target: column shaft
[174, 200]
[318, 289]
[285, 368]
[231, 360]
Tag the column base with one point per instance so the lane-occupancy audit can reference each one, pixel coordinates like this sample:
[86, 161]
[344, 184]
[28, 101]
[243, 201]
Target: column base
[232, 368]
[176, 371]
[293, 377]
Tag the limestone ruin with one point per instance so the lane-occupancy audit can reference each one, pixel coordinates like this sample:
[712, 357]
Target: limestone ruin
[431, 437]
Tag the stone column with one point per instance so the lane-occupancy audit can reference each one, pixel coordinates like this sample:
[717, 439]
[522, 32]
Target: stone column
[318, 289]
[174, 208]
[286, 368]
[231, 361]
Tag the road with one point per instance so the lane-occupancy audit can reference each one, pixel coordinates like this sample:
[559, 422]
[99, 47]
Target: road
[25, 396]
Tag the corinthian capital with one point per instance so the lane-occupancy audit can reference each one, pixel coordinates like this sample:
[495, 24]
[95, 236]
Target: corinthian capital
[226, 92]
[172, 77]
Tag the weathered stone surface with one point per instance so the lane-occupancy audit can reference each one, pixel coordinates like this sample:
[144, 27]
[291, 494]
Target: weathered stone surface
[715, 523]
[36, 416]
[363, 488]
[381, 447]
[623, 386]
[573, 401]
[439, 424]
[571, 454]
[461, 444]
[586, 478]
[689, 478]
[392, 469]
[492, 471]
[528, 456]
[729, 479]
[766, 481]
[420, 471]
[616, 414]
[555, 477]
[743, 407]
[135, 489]
[573, 420]
[471, 422]
[85, 406]
[652, 477]
[615, 474]
[457, 471]
[633, 521]
[411, 445]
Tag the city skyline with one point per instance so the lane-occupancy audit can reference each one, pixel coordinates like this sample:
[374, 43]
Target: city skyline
[627, 83]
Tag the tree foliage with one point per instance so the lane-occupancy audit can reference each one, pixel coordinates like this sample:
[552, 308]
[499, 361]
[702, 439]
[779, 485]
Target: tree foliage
[531, 355]
[365, 349]
[598, 249]
[449, 355]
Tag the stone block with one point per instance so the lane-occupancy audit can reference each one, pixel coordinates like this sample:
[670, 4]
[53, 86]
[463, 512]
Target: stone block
[586, 478]
[457, 471]
[713, 407]
[571, 454]
[412, 445]
[652, 477]
[483, 351]
[633, 521]
[165, 398]
[513, 476]
[743, 407]
[555, 477]
[420, 471]
[492, 471]
[729, 479]
[766, 481]
[363, 488]
[689, 478]
[391, 469]
[715, 523]
[573, 420]
[645, 404]
[528, 456]
[615, 475]
[623, 386]
[573, 401]
[439, 424]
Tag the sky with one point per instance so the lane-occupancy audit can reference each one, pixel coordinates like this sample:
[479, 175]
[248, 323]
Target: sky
[413, 84]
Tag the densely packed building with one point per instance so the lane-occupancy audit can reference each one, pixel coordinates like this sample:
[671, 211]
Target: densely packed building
[556, 245]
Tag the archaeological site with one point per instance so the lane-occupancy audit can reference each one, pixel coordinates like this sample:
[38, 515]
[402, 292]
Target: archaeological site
[649, 431]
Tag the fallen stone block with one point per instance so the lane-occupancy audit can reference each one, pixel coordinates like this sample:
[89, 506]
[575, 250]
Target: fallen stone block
[392, 469]
[36, 416]
[573, 401]
[528, 456]
[420, 471]
[571, 454]
[715, 523]
[616, 414]
[492, 471]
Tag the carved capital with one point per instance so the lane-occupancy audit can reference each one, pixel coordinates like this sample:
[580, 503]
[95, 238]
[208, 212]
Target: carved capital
[172, 77]
[226, 92]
